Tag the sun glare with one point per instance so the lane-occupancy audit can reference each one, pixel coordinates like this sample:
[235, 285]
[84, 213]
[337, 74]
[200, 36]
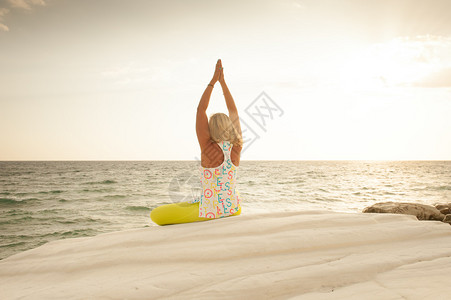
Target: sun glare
[399, 62]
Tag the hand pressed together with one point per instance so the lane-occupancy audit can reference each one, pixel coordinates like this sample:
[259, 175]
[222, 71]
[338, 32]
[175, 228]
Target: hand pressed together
[218, 73]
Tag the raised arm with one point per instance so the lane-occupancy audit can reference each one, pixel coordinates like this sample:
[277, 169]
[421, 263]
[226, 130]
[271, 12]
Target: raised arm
[202, 130]
[231, 107]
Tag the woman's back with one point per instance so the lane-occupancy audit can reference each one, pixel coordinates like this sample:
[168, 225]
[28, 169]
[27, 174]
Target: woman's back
[212, 155]
[219, 197]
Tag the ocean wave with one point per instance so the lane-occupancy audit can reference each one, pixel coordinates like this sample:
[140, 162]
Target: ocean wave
[16, 212]
[16, 221]
[77, 221]
[46, 237]
[45, 217]
[56, 192]
[51, 192]
[108, 181]
[12, 245]
[96, 190]
[73, 233]
[21, 194]
[432, 188]
[55, 211]
[8, 201]
[295, 181]
[118, 196]
[442, 188]
[138, 208]
[328, 199]
[11, 202]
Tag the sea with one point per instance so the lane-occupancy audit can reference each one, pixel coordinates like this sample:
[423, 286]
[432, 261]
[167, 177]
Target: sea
[43, 201]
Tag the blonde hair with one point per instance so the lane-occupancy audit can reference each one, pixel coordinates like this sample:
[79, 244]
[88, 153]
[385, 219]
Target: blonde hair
[222, 129]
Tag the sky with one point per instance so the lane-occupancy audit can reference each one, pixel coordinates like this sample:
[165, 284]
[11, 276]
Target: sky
[312, 80]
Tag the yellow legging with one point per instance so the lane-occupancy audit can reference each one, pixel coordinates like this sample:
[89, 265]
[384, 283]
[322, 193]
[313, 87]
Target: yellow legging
[177, 213]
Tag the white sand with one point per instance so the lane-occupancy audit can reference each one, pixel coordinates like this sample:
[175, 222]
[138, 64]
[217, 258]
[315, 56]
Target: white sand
[291, 255]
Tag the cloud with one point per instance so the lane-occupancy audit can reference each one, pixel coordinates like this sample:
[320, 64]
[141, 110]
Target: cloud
[26, 4]
[38, 2]
[436, 54]
[126, 74]
[404, 61]
[18, 4]
[297, 4]
[3, 12]
[438, 79]
[3, 27]
[142, 73]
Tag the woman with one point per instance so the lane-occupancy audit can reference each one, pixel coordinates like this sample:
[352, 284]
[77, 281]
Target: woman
[221, 142]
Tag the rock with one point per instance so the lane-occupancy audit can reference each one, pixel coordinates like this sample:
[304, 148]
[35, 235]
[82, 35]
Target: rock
[421, 211]
[447, 219]
[444, 208]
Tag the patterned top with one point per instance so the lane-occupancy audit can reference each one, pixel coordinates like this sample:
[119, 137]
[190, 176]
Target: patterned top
[219, 197]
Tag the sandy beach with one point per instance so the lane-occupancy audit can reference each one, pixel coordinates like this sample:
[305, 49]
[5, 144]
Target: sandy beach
[287, 255]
